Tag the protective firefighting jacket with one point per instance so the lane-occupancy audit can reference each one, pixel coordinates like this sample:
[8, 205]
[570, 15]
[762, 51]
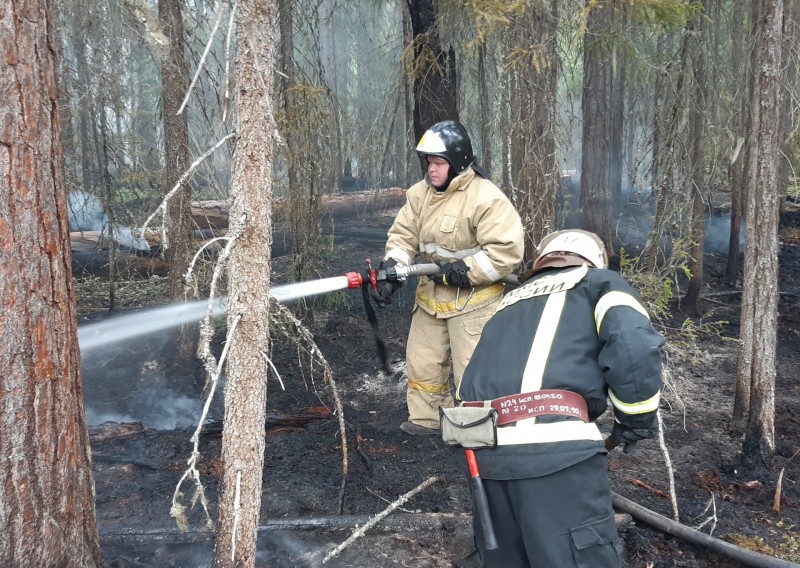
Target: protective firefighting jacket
[472, 220]
[577, 329]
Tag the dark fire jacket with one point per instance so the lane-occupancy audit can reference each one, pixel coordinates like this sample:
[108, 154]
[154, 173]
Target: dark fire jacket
[579, 329]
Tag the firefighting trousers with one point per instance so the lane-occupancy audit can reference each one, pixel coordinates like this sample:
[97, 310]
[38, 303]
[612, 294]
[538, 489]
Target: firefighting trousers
[434, 344]
[561, 520]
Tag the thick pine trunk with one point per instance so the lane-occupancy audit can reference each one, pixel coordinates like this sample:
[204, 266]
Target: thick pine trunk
[47, 495]
[435, 78]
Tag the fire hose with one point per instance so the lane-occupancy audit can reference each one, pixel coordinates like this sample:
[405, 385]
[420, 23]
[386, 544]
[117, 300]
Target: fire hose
[741, 555]
[396, 273]
[113, 330]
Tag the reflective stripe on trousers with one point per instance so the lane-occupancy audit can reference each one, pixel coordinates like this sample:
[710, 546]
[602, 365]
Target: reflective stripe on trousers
[431, 344]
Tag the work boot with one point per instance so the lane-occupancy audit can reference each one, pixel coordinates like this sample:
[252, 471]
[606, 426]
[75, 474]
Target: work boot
[417, 430]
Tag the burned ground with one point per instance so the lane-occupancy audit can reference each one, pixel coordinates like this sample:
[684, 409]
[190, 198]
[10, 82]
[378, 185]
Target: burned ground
[141, 424]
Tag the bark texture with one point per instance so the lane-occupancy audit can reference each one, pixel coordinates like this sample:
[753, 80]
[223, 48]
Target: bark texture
[533, 144]
[597, 111]
[759, 319]
[435, 78]
[175, 84]
[47, 498]
[698, 184]
[738, 125]
[248, 288]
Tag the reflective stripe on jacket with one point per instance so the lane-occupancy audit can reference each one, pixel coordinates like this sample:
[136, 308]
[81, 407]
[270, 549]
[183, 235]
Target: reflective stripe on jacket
[472, 220]
[578, 329]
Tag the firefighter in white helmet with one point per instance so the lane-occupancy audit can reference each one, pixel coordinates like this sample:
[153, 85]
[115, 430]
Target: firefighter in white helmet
[460, 220]
[572, 336]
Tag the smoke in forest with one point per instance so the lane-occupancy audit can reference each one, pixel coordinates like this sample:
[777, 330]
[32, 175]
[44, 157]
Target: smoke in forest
[86, 213]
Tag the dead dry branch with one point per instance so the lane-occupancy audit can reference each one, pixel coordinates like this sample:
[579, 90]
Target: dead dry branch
[358, 533]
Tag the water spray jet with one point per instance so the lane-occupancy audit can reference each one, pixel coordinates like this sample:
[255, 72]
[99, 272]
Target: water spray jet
[117, 329]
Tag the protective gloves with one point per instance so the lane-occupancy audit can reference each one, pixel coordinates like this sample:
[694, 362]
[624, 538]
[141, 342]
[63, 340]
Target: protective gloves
[453, 274]
[621, 434]
[386, 288]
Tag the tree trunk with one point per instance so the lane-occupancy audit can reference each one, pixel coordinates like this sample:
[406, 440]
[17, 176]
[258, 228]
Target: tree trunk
[505, 138]
[658, 95]
[334, 81]
[110, 228]
[667, 161]
[618, 81]
[759, 319]
[412, 162]
[741, 398]
[178, 218]
[47, 497]
[698, 184]
[435, 78]
[791, 38]
[596, 200]
[85, 110]
[486, 110]
[736, 170]
[175, 84]
[533, 137]
[249, 281]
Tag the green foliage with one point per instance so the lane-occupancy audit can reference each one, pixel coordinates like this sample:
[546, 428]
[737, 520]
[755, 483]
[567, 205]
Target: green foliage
[492, 15]
[670, 15]
[793, 188]
[787, 549]
[655, 288]
[324, 246]
[754, 543]
[532, 57]
[92, 293]
[658, 292]
[339, 300]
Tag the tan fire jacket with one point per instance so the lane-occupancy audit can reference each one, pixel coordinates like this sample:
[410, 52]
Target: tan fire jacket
[472, 220]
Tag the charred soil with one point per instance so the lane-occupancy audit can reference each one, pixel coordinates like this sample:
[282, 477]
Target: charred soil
[314, 495]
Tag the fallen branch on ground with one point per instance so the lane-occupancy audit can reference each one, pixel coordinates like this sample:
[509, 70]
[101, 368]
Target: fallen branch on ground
[107, 458]
[358, 533]
[643, 485]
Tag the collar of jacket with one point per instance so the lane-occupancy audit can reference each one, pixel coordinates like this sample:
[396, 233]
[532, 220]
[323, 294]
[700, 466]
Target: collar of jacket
[551, 262]
[458, 183]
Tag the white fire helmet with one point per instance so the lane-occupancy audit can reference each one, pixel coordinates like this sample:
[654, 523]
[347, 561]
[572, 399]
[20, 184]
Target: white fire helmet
[583, 243]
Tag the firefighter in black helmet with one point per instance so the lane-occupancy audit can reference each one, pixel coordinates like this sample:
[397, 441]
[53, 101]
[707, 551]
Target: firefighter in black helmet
[460, 220]
[559, 346]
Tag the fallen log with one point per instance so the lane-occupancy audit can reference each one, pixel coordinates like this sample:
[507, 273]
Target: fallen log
[214, 214]
[132, 430]
[396, 522]
[276, 421]
[125, 460]
[116, 431]
[392, 523]
[741, 555]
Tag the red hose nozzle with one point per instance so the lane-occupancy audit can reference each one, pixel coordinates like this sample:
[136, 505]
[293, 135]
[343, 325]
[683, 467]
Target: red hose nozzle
[354, 280]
